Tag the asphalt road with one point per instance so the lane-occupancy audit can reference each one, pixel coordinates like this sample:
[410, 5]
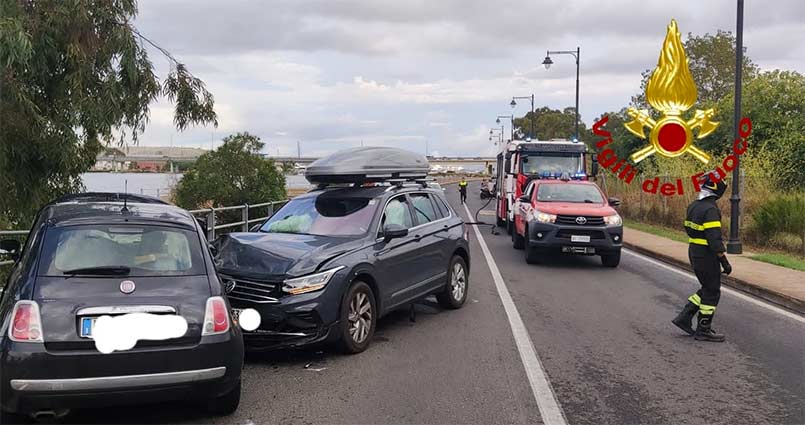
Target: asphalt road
[602, 336]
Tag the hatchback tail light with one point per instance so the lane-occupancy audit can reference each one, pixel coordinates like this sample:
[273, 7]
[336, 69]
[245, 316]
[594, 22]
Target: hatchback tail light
[26, 323]
[216, 317]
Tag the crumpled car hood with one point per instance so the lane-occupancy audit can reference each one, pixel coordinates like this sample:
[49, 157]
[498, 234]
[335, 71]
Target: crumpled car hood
[276, 256]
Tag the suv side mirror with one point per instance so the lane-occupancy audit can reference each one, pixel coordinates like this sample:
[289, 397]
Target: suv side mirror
[394, 231]
[203, 224]
[525, 198]
[614, 202]
[11, 247]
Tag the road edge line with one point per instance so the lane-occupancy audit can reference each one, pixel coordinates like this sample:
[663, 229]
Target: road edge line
[762, 302]
[549, 408]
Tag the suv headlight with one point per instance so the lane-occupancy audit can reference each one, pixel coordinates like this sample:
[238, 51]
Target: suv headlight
[309, 283]
[613, 220]
[544, 217]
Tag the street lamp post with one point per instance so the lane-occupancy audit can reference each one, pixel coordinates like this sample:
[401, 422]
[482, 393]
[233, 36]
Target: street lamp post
[514, 103]
[511, 118]
[576, 54]
[734, 245]
[492, 132]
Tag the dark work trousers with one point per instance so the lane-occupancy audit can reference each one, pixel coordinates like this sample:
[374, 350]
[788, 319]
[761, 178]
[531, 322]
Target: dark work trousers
[708, 271]
[463, 192]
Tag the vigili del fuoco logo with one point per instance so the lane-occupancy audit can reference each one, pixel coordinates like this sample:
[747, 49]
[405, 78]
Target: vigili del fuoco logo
[672, 92]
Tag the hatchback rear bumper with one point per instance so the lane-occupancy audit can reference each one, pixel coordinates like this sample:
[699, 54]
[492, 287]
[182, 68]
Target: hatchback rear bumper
[116, 382]
[33, 379]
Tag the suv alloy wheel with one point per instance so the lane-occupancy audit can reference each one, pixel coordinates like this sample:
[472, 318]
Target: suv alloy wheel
[358, 318]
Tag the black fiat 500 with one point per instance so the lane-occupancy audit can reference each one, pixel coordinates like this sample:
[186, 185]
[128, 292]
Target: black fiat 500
[329, 263]
[92, 257]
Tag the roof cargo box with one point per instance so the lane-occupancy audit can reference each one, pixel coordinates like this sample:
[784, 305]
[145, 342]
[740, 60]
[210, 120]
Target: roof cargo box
[369, 164]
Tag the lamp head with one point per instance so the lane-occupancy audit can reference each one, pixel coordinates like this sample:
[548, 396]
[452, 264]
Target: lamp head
[498, 120]
[513, 104]
[547, 62]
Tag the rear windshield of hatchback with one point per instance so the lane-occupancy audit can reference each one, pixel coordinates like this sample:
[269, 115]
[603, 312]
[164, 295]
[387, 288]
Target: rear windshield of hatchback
[143, 250]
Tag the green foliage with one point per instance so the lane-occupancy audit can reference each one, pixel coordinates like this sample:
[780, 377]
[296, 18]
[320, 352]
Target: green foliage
[711, 59]
[233, 174]
[553, 124]
[783, 214]
[775, 102]
[779, 259]
[74, 77]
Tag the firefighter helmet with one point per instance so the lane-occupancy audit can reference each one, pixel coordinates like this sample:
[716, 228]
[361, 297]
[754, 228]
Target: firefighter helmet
[714, 182]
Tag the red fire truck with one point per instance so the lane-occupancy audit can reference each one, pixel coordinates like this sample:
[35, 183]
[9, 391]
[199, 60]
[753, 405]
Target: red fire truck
[522, 160]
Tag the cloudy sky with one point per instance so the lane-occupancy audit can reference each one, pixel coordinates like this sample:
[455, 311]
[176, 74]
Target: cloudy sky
[410, 73]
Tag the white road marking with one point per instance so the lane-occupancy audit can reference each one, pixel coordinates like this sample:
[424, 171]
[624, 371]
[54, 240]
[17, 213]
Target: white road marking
[548, 406]
[728, 290]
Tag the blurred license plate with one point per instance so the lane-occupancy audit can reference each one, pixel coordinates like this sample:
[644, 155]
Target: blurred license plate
[578, 249]
[236, 313]
[87, 323]
[579, 238]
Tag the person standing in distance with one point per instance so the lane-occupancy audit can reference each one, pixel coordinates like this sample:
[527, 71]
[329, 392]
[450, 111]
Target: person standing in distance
[462, 189]
[707, 257]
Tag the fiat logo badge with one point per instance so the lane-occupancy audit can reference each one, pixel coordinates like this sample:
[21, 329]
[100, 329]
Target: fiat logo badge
[581, 220]
[127, 287]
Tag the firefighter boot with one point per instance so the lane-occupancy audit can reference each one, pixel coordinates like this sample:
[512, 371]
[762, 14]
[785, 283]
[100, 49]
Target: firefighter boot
[684, 320]
[704, 332]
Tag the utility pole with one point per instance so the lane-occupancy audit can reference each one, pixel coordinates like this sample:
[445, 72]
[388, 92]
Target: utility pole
[734, 243]
[298, 150]
[426, 148]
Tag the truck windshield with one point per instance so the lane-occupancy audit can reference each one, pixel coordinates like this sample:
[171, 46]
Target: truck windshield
[560, 192]
[323, 216]
[553, 164]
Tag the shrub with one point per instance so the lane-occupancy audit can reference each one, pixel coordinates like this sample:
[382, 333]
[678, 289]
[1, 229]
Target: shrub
[782, 214]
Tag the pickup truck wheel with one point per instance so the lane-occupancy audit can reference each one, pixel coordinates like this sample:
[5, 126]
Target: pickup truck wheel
[611, 260]
[455, 292]
[358, 318]
[509, 227]
[531, 253]
[518, 242]
[500, 222]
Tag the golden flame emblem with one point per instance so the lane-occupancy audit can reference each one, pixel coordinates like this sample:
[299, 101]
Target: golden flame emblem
[672, 91]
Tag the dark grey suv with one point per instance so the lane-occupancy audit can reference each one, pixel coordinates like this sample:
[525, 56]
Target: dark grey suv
[329, 263]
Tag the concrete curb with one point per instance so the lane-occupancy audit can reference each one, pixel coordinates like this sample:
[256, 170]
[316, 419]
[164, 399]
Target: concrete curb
[789, 303]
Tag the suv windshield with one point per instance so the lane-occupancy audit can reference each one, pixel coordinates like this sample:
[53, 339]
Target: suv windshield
[130, 250]
[323, 216]
[538, 164]
[569, 193]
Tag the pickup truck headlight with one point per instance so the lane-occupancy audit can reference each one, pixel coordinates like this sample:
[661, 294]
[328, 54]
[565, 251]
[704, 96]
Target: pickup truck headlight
[613, 220]
[309, 283]
[544, 217]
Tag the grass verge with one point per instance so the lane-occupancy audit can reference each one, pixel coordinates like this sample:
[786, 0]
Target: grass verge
[777, 258]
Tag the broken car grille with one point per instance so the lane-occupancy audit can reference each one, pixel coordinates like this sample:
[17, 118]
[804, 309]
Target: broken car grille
[250, 290]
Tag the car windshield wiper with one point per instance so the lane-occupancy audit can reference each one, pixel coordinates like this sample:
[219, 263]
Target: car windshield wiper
[589, 201]
[100, 271]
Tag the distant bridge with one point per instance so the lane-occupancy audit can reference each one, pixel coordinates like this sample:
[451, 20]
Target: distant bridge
[304, 160]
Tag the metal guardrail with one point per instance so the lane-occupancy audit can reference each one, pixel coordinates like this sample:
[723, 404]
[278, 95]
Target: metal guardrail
[207, 213]
[245, 220]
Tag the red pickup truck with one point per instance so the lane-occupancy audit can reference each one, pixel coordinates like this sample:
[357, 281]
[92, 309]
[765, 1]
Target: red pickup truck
[567, 216]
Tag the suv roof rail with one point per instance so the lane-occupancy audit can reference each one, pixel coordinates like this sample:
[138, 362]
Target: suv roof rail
[108, 197]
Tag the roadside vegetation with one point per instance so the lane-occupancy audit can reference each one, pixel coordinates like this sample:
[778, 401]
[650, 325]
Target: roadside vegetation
[773, 167]
[233, 174]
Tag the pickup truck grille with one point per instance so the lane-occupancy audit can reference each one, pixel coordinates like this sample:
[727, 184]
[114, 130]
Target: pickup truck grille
[593, 234]
[571, 219]
[251, 290]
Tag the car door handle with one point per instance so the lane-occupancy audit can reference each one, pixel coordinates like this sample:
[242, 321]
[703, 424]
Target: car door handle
[417, 238]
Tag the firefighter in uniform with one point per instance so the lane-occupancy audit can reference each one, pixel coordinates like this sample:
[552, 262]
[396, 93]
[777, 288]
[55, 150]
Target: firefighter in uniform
[462, 189]
[707, 257]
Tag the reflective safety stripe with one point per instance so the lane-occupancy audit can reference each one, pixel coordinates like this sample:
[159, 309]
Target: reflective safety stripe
[700, 227]
[707, 310]
[695, 299]
[697, 241]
